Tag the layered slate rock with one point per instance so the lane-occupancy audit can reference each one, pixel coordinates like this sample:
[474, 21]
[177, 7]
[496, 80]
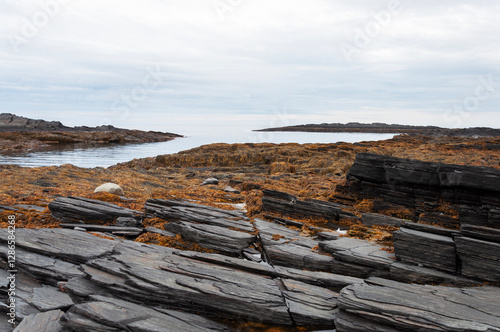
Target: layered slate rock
[365, 258]
[46, 321]
[85, 209]
[286, 247]
[371, 219]
[418, 274]
[286, 204]
[384, 305]
[224, 240]
[310, 305]
[111, 314]
[419, 185]
[187, 211]
[322, 279]
[480, 259]
[225, 231]
[430, 250]
[71, 246]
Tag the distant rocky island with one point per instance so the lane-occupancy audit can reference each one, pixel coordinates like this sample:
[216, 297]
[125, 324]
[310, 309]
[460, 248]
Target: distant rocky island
[21, 133]
[384, 128]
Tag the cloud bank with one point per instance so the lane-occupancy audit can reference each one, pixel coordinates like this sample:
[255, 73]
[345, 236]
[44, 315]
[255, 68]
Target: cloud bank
[184, 65]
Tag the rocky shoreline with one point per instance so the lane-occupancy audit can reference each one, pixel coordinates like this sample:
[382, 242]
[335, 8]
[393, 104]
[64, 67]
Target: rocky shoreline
[232, 270]
[383, 128]
[22, 134]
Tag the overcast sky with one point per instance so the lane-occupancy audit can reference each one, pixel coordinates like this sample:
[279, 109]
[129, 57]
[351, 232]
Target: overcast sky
[185, 65]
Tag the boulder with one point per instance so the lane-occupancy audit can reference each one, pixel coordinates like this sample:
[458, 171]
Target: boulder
[210, 181]
[111, 188]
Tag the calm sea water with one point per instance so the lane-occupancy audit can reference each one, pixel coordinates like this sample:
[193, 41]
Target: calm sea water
[104, 156]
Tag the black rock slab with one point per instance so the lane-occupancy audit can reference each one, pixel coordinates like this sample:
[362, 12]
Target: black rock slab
[385, 305]
[310, 305]
[112, 314]
[430, 250]
[224, 240]
[46, 269]
[158, 276]
[322, 279]
[186, 211]
[69, 245]
[42, 322]
[371, 219]
[410, 273]
[235, 263]
[118, 230]
[48, 298]
[359, 252]
[430, 229]
[159, 231]
[286, 247]
[480, 259]
[481, 233]
[85, 209]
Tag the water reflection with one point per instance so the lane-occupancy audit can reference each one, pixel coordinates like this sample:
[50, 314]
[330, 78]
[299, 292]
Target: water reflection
[104, 156]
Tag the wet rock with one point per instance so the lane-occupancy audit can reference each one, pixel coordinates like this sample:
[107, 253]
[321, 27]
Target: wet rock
[42, 322]
[210, 181]
[380, 305]
[111, 188]
[430, 250]
[79, 208]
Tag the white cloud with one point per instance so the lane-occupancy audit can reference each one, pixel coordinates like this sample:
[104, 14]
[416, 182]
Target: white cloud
[263, 55]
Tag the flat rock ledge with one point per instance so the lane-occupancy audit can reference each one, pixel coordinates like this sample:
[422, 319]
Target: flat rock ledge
[263, 272]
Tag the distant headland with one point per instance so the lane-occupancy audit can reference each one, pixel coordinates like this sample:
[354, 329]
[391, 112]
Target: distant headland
[18, 133]
[356, 127]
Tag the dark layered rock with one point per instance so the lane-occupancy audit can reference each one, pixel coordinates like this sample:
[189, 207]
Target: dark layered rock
[217, 238]
[480, 259]
[84, 209]
[419, 186]
[117, 230]
[384, 305]
[322, 279]
[410, 273]
[366, 258]
[427, 249]
[286, 247]
[371, 219]
[286, 204]
[45, 321]
[186, 211]
[310, 305]
[111, 314]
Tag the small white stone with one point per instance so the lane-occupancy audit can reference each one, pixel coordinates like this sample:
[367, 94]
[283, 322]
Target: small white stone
[111, 188]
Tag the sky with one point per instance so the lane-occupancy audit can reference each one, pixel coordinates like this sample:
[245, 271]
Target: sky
[193, 65]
